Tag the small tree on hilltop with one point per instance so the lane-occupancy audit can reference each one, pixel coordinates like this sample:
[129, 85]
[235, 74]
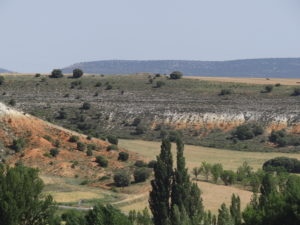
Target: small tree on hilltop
[77, 73]
[56, 73]
[176, 75]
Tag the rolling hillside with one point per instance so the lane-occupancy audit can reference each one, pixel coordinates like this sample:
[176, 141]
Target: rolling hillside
[281, 67]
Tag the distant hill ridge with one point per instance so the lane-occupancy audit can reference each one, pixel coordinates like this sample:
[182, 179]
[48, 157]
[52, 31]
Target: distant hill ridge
[269, 67]
[4, 71]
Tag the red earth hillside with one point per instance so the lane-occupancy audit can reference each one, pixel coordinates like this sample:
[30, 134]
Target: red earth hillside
[40, 137]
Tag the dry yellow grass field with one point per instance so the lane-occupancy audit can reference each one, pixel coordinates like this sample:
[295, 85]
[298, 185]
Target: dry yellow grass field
[196, 154]
[283, 81]
[213, 196]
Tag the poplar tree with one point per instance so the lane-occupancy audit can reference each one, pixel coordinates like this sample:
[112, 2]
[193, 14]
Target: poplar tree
[185, 194]
[224, 217]
[235, 209]
[161, 186]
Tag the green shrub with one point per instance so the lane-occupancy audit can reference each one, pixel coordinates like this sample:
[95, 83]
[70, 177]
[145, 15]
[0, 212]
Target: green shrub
[18, 144]
[112, 139]
[290, 165]
[77, 73]
[86, 106]
[176, 75]
[84, 182]
[112, 147]
[122, 179]
[91, 147]
[228, 177]
[160, 84]
[268, 89]
[54, 152]
[296, 92]
[247, 131]
[140, 129]
[136, 122]
[103, 178]
[140, 163]
[98, 84]
[109, 87]
[74, 139]
[89, 152]
[101, 161]
[2, 80]
[56, 73]
[152, 164]
[225, 92]
[12, 102]
[141, 175]
[80, 146]
[123, 156]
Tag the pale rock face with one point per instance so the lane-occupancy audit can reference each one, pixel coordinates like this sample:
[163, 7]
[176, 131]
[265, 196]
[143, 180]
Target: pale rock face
[225, 121]
[7, 111]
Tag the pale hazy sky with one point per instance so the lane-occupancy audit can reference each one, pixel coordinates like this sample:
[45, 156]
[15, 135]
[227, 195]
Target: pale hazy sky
[39, 35]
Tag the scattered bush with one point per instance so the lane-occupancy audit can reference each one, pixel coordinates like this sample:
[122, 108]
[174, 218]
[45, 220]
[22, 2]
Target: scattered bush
[112, 147]
[37, 75]
[123, 156]
[176, 75]
[141, 175]
[54, 152]
[268, 89]
[2, 80]
[56, 73]
[89, 152]
[74, 139]
[152, 164]
[12, 102]
[136, 122]
[247, 131]
[290, 165]
[112, 139]
[122, 179]
[77, 73]
[86, 106]
[98, 84]
[62, 115]
[91, 147]
[160, 84]
[109, 87]
[101, 161]
[225, 92]
[296, 92]
[140, 129]
[18, 144]
[80, 146]
[277, 85]
[140, 163]
[228, 177]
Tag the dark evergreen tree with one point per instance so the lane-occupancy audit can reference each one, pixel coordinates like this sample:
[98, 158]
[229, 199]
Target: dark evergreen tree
[224, 217]
[106, 215]
[235, 209]
[21, 202]
[161, 186]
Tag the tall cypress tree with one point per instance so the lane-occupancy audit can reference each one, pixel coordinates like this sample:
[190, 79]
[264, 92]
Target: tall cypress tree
[185, 195]
[161, 186]
[235, 209]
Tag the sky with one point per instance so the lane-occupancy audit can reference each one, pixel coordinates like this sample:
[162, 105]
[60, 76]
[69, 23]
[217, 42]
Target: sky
[39, 35]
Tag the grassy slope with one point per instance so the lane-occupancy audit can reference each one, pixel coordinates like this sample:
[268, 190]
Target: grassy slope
[44, 97]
